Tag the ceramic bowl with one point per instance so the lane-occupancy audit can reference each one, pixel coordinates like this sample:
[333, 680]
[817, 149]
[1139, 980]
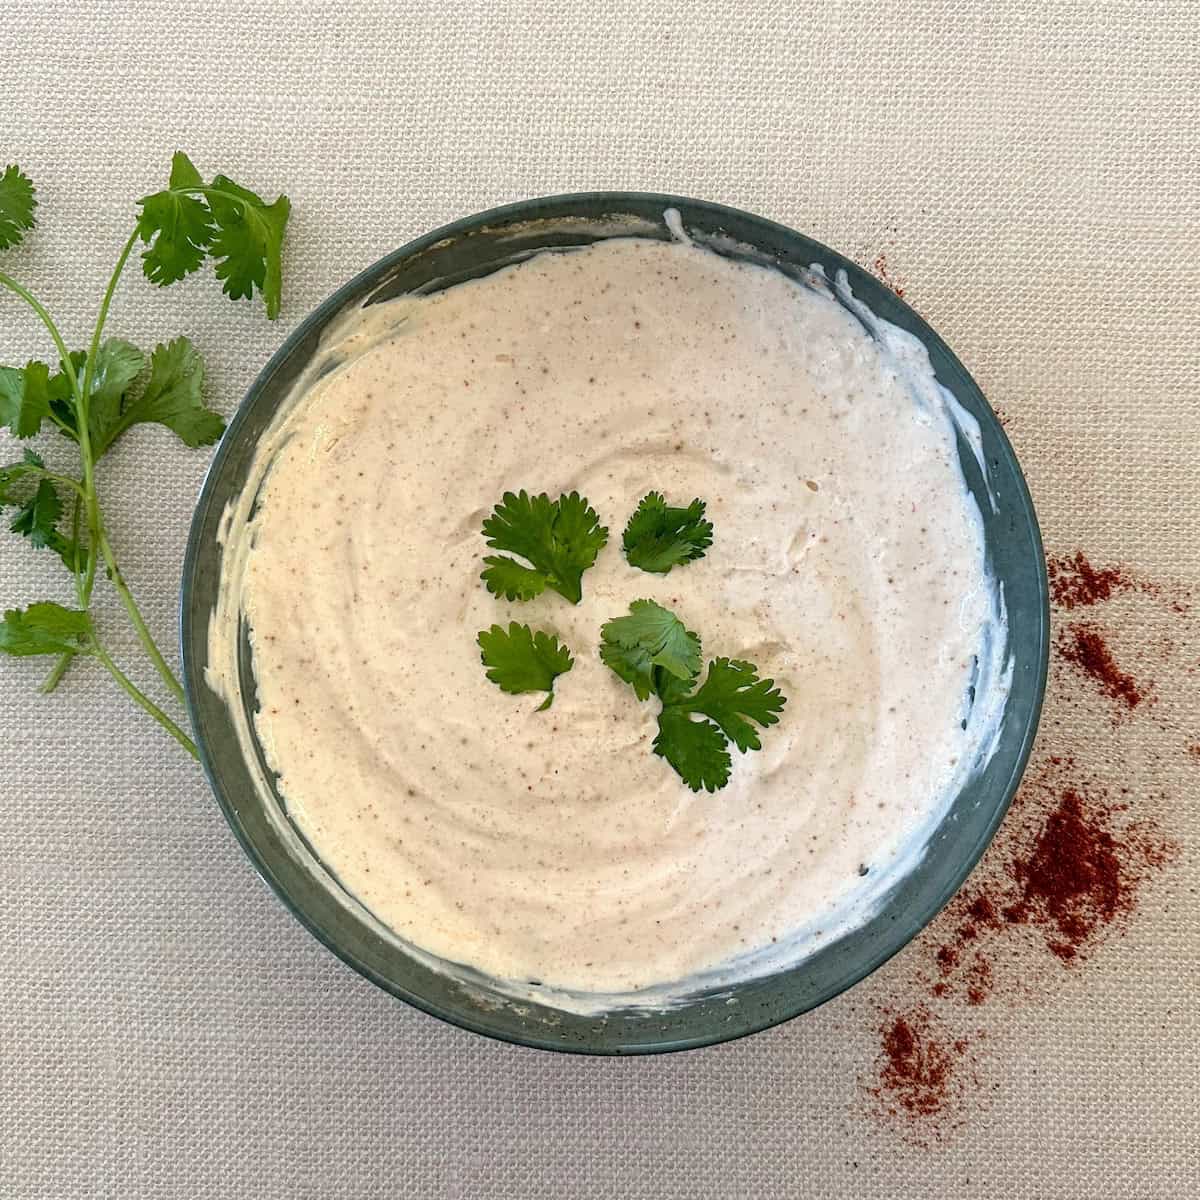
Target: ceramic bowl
[244, 785]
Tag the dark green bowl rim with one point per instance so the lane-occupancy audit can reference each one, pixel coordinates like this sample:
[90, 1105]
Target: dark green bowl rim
[613, 202]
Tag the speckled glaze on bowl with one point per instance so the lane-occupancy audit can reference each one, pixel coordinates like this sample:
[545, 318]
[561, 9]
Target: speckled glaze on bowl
[473, 247]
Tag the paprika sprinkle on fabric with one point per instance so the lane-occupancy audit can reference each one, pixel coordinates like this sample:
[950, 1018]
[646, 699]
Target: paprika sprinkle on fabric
[1069, 866]
[1079, 876]
[880, 270]
[1074, 867]
[921, 1068]
[1084, 645]
[1075, 583]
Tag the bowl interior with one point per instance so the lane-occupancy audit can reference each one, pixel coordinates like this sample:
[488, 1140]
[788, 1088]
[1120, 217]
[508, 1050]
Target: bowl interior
[476, 246]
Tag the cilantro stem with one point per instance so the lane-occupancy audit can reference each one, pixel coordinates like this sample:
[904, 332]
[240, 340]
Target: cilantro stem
[7, 281]
[97, 537]
[139, 625]
[75, 507]
[65, 481]
[60, 669]
[94, 349]
[88, 575]
[142, 700]
[62, 425]
[85, 449]
[65, 659]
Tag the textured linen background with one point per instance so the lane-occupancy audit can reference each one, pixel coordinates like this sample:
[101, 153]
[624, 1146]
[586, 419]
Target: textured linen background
[1029, 170]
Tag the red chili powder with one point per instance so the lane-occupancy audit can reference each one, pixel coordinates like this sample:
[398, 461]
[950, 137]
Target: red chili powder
[1070, 869]
[981, 909]
[1084, 646]
[1066, 869]
[881, 270]
[947, 958]
[919, 1065]
[980, 980]
[1075, 582]
[1073, 881]
[1074, 868]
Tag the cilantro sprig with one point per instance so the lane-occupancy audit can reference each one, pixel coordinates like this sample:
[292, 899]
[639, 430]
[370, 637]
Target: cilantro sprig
[558, 539]
[27, 486]
[659, 537]
[123, 395]
[17, 202]
[45, 628]
[656, 654]
[189, 221]
[520, 660]
[94, 396]
[648, 645]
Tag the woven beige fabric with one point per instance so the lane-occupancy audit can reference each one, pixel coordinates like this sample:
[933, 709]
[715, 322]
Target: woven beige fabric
[1029, 173]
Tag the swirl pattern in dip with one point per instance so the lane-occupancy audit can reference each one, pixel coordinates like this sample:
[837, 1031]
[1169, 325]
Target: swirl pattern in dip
[847, 564]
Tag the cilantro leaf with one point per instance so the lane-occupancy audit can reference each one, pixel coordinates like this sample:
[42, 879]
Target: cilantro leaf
[24, 398]
[696, 749]
[559, 540]
[44, 628]
[177, 225]
[173, 397]
[249, 241]
[189, 220]
[64, 547]
[522, 660]
[38, 516]
[659, 537]
[62, 395]
[38, 510]
[731, 692]
[508, 578]
[118, 365]
[31, 464]
[17, 203]
[650, 636]
[655, 654]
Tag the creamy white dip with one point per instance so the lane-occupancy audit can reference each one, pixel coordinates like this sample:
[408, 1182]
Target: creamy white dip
[847, 563]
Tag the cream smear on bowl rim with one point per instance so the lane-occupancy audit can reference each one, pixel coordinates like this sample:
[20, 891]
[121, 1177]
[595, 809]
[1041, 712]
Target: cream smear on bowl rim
[551, 853]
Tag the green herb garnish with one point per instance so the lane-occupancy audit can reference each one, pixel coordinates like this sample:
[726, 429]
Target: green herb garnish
[659, 537]
[190, 221]
[170, 395]
[523, 660]
[17, 203]
[646, 645]
[655, 653]
[92, 397]
[45, 628]
[559, 540]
